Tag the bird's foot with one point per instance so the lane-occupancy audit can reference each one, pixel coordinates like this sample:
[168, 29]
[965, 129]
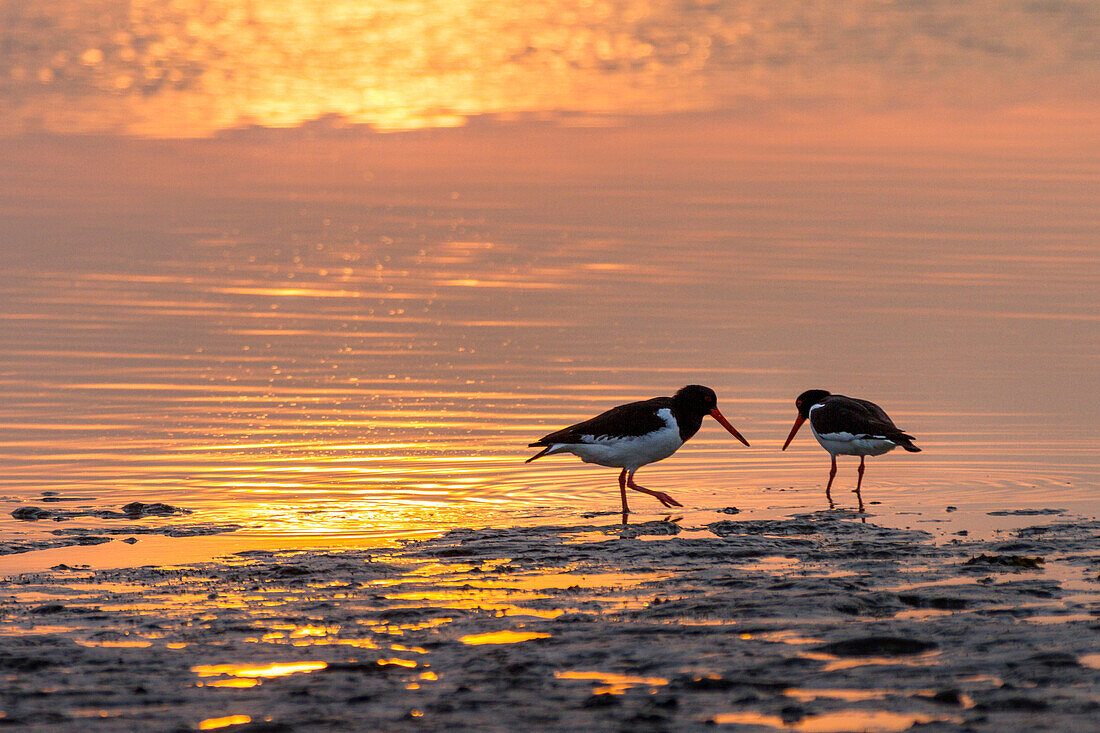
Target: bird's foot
[666, 499]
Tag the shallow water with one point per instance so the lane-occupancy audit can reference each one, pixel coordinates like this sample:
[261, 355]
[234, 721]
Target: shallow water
[325, 332]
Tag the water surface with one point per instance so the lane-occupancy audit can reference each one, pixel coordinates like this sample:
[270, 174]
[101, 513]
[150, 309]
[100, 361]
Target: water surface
[327, 331]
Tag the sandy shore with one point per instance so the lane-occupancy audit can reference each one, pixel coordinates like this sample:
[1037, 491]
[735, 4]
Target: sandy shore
[816, 622]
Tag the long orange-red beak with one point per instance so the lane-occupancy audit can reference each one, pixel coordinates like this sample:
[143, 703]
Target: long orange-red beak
[797, 424]
[726, 424]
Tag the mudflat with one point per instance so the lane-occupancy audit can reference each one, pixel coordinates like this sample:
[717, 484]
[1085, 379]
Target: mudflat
[821, 621]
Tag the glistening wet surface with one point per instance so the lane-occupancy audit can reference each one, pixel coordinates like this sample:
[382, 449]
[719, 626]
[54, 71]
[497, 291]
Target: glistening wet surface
[643, 627]
[286, 289]
[316, 351]
[260, 308]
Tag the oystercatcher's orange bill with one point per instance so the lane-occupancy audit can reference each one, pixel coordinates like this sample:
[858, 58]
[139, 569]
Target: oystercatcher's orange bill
[726, 424]
[797, 424]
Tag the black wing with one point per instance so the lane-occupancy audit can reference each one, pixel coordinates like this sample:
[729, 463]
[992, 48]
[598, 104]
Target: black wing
[635, 418]
[840, 414]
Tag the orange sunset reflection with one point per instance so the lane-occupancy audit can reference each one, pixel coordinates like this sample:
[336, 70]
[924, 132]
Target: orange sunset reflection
[291, 291]
[192, 68]
[329, 333]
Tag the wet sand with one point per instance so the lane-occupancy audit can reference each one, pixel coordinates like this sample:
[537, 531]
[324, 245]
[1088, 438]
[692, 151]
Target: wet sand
[823, 621]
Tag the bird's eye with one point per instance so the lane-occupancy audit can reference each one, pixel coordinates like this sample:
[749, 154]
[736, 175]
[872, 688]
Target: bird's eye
[798, 403]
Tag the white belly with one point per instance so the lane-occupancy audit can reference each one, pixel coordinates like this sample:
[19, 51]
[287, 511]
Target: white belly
[846, 444]
[630, 453]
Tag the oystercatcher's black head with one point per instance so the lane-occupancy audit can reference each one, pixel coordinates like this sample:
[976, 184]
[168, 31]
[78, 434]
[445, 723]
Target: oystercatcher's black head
[695, 399]
[808, 399]
[691, 403]
[804, 402]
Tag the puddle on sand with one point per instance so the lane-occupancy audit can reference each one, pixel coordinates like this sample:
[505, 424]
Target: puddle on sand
[847, 695]
[357, 643]
[611, 683]
[251, 670]
[295, 635]
[502, 637]
[916, 614]
[567, 581]
[841, 721]
[413, 649]
[399, 629]
[855, 695]
[1060, 619]
[13, 630]
[238, 682]
[786, 636]
[407, 663]
[834, 663]
[775, 563]
[985, 679]
[487, 600]
[114, 644]
[215, 723]
[925, 584]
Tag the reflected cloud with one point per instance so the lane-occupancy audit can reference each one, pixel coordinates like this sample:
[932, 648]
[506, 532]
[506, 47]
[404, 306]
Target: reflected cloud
[176, 68]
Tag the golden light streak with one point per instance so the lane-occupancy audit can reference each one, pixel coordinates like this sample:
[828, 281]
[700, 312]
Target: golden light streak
[225, 722]
[613, 682]
[502, 637]
[244, 670]
[241, 683]
[409, 663]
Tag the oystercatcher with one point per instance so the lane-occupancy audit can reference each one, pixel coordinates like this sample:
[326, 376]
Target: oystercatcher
[632, 435]
[850, 427]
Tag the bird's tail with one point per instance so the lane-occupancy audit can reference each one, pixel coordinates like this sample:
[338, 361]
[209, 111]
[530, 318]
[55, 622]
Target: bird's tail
[540, 454]
[906, 442]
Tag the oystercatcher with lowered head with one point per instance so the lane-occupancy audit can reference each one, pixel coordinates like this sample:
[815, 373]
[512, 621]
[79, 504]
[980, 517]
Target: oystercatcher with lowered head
[633, 435]
[849, 427]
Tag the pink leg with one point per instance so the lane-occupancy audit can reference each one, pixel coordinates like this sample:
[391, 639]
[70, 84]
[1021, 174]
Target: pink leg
[622, 491]
[829, 486]
[859, 483]
[659, 495]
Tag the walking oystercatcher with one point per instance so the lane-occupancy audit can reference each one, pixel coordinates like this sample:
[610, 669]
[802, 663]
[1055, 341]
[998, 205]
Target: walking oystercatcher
[633, 435]
[850, 427]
